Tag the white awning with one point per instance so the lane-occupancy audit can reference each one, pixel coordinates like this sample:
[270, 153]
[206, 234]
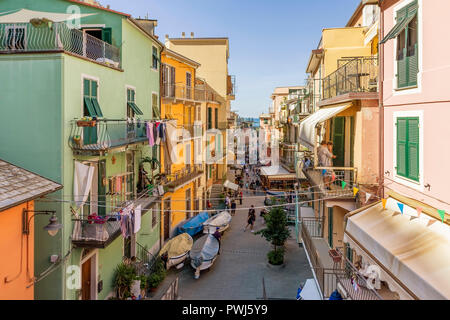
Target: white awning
[412, 250]
[231, 185]
[25, 15]
[308, 126]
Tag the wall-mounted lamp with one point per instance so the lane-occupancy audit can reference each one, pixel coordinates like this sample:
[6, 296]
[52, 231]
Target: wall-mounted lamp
[388, 173]
[427, 186]
[52, 228]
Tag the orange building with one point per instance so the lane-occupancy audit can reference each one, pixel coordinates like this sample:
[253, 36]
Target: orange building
[18, 189]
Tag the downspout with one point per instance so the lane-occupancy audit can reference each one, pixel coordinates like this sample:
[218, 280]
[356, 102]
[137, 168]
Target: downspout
[381, 103]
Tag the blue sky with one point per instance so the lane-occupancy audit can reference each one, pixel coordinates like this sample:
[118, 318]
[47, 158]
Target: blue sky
[270, 40]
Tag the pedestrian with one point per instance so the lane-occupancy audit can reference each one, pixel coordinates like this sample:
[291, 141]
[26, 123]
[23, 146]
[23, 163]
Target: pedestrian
[251, 218]
[227, 202]
[241, 195]
[233, 207]
[218, 236]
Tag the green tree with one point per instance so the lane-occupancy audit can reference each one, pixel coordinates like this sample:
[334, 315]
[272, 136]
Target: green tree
[276, 232]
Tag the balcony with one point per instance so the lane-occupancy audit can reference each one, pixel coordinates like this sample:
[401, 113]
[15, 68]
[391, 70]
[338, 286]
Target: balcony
[183, 93]
[24, 37]
[99, 136]
[288, 164]
[178, 179]
[347, 174]
[100, 231]
[359, 75]
[231, 87]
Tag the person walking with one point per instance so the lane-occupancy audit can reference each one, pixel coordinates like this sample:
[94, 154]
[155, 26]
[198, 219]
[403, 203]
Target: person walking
[251, 218]
[241, 195]
[233, 207]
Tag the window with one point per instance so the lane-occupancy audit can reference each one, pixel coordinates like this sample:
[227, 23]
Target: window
[188, 85]
[216, 118]
[188, 203]
[408, 148]
[407, 47]
[155, 107]
[90, 93]
[168, 79]
[155, 58]
[209, 118]
[132, 108]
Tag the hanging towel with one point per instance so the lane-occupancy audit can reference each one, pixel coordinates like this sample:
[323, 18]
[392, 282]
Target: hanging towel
[119, 185]
[124, 225]
[82, 182]
[151, 142]
[156, 136]
[170, 142]
[162, 132]
[137, 218]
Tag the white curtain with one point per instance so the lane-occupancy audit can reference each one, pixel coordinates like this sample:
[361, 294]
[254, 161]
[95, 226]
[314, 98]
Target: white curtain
[82, 182]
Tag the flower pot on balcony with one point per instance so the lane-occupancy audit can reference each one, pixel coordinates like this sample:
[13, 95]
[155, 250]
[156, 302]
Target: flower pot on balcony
[85, 123]
[78, 142]
[335, 255]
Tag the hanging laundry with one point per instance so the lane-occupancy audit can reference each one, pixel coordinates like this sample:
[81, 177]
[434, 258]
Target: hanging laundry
[137, 218]
[151, 142]
[156, 135]
[124, 225]
[162, 132]
[118, 185]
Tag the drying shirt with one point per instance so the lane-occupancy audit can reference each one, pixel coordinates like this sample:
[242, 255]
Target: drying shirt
[325, 157]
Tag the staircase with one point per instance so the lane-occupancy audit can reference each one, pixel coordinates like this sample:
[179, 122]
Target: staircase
[145, 260]
[216, 192]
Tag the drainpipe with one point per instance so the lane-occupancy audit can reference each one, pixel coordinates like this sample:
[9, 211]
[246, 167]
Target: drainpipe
[381, 104]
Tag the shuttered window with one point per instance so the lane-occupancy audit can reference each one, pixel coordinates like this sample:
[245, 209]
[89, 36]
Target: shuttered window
[408, 148]
[209, 118]
[155, 58]
[132, 108]
[407, 47]
[90, 100]
[155, 107]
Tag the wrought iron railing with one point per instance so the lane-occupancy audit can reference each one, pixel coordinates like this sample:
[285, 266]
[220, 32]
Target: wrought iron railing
[178, 178]
[145, 256]
[103, 134]
[188, 93]
[352, 281]
[357, 75]
[24, 37]
[231, 85]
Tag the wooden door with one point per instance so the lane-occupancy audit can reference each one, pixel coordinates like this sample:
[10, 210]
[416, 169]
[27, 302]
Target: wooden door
[86, 280]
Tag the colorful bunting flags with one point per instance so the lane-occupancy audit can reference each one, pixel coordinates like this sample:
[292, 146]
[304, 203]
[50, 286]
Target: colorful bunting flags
[431, 222]
[419, 211]
[401, 206]
[343, 185]
[355, 191]
[333, 177]
[442, 214]
[384, 201]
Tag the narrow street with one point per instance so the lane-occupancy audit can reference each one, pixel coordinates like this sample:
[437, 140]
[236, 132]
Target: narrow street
[238, 272]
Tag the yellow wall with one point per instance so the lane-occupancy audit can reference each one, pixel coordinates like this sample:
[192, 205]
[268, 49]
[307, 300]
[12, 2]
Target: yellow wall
[17, 254]
[342, 42]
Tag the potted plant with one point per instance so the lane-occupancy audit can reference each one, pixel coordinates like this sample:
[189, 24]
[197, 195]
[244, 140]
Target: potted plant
[125, 275]
[157, 276]
[276, 232]
[87, 122]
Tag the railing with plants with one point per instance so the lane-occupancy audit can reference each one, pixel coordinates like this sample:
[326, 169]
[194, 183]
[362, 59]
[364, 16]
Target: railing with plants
[26, 37]
[182, 176]
[357, 75]
[101, 134]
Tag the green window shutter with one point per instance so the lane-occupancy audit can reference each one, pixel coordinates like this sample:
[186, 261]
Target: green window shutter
[401, 146]
[87, 87]
[107, 35]
[402, 72]
[94, 86]
[413, 68]
[209, 118]
[89, 107]
[96, 105]
[413, 149]
[135, 108]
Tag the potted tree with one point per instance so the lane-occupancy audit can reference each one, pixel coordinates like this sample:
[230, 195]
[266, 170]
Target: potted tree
[125, 275]
[276, 232]
[157, 276]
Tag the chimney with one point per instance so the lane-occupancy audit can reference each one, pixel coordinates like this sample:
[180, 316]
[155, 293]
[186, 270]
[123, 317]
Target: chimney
[192, 35]
[167, 37]
[183, 35]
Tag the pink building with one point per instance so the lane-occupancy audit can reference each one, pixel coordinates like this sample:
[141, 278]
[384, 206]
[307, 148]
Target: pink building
[407, 242]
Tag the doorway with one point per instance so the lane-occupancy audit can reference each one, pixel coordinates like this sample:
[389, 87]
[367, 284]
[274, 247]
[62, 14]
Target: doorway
[89, 275]
[86, 280]
[330, 227]
[339, 141]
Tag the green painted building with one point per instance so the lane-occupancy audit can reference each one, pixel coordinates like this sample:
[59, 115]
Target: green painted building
[55, 77]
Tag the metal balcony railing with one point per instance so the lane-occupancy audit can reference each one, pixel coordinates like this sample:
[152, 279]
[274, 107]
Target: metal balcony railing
[178, 178]
[24, 37]
[231, 85]
[357, 75]
[183, 92]
[352, 281]
[104, 134]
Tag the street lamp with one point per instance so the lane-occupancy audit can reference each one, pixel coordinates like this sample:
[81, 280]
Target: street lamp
[52, 228]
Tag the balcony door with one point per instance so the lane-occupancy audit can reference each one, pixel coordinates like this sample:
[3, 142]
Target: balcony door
[338, 131]
[167, 211]
[130, 175]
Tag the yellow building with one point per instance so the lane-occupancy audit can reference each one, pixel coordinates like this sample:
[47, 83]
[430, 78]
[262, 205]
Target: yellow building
[182, 176]
[213, 55]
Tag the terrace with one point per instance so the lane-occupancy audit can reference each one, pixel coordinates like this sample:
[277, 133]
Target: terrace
[56, 37]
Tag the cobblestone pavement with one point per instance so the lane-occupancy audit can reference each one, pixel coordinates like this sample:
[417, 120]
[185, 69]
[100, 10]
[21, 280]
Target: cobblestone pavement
[238, 272]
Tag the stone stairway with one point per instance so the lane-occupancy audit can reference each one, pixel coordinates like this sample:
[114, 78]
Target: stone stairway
[216, 192]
